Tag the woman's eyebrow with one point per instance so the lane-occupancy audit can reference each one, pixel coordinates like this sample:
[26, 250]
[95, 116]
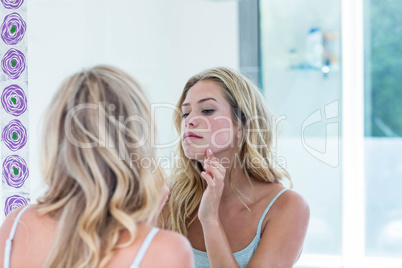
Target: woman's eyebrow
[201, 100]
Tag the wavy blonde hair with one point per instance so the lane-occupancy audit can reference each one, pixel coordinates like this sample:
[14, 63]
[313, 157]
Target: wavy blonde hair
[250, 112]
[95, 191]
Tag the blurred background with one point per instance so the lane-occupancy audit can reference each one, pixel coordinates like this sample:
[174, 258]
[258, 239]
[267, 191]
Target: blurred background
[329, 71]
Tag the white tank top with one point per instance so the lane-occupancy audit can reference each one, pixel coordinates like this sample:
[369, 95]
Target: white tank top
[136, 264]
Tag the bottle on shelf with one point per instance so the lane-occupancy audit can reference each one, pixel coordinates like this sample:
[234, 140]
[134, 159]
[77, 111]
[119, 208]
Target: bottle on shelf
[315, 48]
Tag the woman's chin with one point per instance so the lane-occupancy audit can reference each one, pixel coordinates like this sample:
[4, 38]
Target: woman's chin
[194, 153]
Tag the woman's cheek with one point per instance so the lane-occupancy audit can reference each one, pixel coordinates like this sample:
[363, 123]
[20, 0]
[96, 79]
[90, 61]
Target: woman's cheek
[222, 138]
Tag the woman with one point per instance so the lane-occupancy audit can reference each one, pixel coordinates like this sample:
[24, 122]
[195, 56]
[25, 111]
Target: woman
[99, 207]
[226, 193]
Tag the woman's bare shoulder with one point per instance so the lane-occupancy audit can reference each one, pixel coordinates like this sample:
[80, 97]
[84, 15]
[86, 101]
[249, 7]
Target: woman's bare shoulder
[267, 191]
[288, 198]
[290, 203]
[28, 216]
[7, 225]
[284, 231]
[22, 230]
[172, 250]
[291, 199]
[173, 237]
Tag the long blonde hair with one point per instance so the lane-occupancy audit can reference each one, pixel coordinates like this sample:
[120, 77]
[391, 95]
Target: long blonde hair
[250, 112]
[93, 128]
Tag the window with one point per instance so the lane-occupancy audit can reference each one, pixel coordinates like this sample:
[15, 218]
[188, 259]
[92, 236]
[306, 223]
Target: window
[383, 127]
[329, 71]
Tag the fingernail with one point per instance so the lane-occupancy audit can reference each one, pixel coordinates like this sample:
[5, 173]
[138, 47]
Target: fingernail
[209, 151]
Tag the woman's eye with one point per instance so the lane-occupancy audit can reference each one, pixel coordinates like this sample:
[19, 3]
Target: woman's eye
[184, 115]
[208, 111]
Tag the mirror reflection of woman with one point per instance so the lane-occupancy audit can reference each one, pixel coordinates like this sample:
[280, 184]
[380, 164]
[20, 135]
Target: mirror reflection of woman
[226, 191]
[99, 207]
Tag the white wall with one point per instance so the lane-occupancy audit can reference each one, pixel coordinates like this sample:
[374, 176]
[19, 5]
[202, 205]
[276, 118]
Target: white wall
[161, 43]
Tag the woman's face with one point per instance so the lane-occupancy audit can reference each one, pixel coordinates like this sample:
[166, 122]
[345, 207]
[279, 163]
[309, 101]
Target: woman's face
[207, 122]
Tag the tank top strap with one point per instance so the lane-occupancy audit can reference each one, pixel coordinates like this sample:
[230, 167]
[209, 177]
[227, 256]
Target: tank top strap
[144, 247]
[9, 242]
[266, 211]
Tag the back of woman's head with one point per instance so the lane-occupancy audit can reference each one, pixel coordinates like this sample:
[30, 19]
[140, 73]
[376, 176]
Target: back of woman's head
[96, 129]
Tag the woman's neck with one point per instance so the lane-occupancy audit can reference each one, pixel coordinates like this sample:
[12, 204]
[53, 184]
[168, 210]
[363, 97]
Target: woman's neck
[242, 183]
[228, 158]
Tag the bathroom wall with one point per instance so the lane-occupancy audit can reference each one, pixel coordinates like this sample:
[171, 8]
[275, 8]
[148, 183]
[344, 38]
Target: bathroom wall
[161, 43]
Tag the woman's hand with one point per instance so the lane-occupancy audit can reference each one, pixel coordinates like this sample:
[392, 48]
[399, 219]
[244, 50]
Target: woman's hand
[214, 175]
[217, 245]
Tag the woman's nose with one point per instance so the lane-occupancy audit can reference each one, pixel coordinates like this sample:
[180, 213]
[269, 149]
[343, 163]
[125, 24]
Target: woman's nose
[191, 121]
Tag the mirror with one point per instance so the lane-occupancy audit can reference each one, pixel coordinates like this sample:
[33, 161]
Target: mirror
[161, 43]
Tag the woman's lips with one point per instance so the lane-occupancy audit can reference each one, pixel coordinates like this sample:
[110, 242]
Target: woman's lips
[190, 136]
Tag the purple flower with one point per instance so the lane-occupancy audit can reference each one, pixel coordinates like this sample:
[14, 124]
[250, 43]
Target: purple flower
[14, 100]
[12, 4]
[13, 202]
[15, 171]
[14, 135]
[13, 29]
[13, 63]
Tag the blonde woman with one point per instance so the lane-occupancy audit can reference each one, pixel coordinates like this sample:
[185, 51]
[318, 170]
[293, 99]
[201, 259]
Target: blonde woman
[100, 206]
[226, 192]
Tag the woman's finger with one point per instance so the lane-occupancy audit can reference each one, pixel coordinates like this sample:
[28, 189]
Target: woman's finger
[206, 162]
[208, 179]
[208, 170]
[214, 164]
[216, 174]
[209, 153]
